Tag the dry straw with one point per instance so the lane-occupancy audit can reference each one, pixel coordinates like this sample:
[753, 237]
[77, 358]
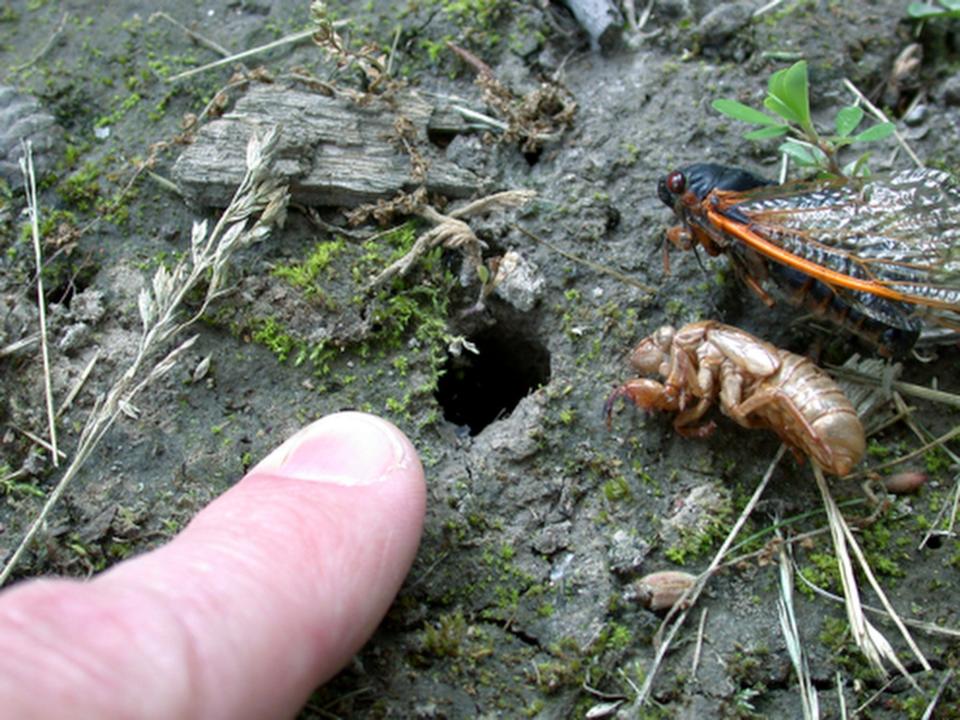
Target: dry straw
[259, 203]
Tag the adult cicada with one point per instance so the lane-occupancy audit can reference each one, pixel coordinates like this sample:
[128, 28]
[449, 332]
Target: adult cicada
[878, 255]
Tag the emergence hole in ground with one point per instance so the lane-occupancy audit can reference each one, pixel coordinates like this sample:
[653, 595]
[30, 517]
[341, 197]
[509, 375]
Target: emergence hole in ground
[477, 389]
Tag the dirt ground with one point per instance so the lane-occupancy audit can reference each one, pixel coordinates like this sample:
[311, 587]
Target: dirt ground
[540, 519]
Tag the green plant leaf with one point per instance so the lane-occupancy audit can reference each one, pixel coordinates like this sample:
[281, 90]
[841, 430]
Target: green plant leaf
[790, 87]
[857, 168]
[847, 120]
[739, 111]
[922, 10]
[767, 132]
[775, 104]
[804, 155]
[876, 132]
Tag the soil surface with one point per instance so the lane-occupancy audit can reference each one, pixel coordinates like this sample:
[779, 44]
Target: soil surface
[541, 519]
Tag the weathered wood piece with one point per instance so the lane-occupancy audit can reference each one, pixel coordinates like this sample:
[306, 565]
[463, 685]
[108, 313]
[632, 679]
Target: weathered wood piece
[334, 151]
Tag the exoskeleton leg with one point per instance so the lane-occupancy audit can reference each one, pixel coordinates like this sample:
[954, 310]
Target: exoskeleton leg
[684, 422]
[646, 394]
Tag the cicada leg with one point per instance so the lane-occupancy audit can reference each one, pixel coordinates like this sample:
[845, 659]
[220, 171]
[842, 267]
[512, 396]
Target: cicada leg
[680, 237]
[684, 422]
[646, 394]
[752, 271]
[758, 290]
[682, 382]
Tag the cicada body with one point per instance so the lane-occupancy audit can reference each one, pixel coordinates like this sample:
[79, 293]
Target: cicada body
[878, 255]
[756, 384]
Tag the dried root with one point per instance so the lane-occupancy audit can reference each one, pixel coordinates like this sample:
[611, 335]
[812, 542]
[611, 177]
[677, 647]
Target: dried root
[536, 118]
[449, 230]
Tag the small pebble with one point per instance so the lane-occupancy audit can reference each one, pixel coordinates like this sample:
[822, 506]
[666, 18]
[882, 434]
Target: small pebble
[916, 115]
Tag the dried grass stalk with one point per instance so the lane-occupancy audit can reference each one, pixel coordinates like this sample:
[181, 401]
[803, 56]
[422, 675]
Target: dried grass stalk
[258, 204]
[791, 635]
[872, 643]
[33, 207]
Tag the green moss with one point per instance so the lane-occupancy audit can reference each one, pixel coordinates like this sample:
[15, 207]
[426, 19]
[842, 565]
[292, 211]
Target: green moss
[10, 487]
[936, 461]
[822, 570]
[401, 364]
[82, 188]
[399, 406]
[50, 222]
[122, 105]
[617, 489]
[305, 275]
[696, 543]
[881, 451]
[271, 334]
[444, 638]
[564, 669]
[614, 636]
[534, 708]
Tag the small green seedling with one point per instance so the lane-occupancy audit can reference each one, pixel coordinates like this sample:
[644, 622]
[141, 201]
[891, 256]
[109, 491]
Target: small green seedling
[926, 11]
[788, 98]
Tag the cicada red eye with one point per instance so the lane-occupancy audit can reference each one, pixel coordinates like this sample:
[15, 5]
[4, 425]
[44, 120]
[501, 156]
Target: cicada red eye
[676, 182]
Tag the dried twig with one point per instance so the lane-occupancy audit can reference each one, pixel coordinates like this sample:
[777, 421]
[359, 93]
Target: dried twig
[922, 433]
[286, 40]
[369, 59]
[929, 628]
[952, 508]
[766, 8]
[18, 345]
[881, 116]
[37, 440]
[451, 231]
[46, 46]
[538, 117]
[698, 648]
[946, 437]
[192, 34]
[259, 198]
[33, 208]
[947, 677]
[71, 396]
[626, 279]
[841, 700]
[918, 391]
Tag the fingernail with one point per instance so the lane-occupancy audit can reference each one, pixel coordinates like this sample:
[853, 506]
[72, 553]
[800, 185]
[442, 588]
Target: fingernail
[348, 448]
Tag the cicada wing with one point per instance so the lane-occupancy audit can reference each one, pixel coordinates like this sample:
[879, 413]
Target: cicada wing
[896, 237]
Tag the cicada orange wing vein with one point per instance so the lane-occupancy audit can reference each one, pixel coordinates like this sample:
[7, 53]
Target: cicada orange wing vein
[754, 239]
[887, 246]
